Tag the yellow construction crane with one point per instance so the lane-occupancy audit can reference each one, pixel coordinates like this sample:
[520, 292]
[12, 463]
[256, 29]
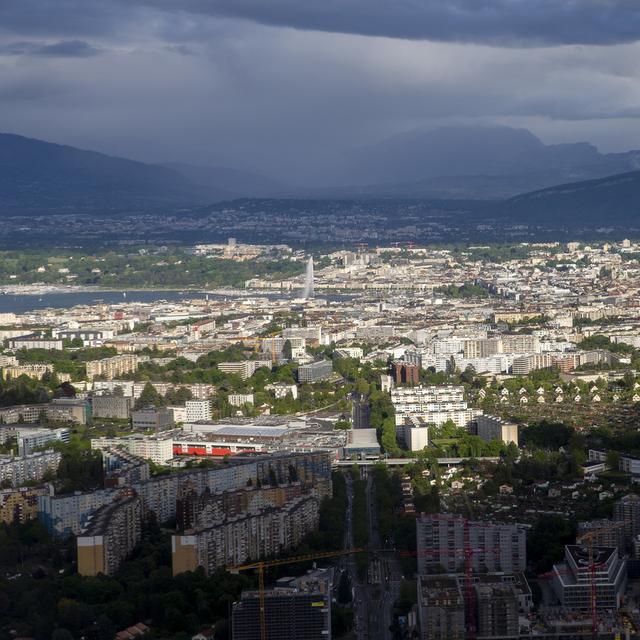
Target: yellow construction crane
[261, 565]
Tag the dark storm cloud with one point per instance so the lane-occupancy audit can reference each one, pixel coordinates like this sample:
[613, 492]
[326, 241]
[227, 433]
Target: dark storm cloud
[500, 22]
[62, 49]
[64, 17]
[286, 86]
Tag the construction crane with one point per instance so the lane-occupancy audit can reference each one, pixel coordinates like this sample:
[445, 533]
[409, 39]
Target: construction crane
[467, 553]
[587, 539]
[261, 565]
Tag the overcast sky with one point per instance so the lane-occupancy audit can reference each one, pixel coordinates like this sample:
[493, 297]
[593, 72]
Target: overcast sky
[272, 83]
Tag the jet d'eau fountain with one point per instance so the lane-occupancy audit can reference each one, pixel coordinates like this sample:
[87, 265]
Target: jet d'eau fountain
[308, 280]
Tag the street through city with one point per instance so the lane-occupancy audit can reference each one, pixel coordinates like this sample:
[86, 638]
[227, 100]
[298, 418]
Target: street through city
[375, 592]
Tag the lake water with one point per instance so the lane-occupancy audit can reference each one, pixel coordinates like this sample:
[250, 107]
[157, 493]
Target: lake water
[60, 300]
[10, 303]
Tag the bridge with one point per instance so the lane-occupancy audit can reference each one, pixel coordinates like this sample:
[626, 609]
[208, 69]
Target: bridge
[401, 462]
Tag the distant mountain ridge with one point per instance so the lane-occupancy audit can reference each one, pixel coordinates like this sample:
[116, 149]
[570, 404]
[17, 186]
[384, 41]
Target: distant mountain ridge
[489, 162]
[38, 177]
[243, 183]
[605, 201]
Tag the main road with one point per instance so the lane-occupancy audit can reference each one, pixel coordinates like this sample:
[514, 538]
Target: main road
[375, 594]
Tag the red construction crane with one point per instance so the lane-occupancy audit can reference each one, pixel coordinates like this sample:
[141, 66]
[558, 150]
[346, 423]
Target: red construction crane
[589, 538]
[467, 552]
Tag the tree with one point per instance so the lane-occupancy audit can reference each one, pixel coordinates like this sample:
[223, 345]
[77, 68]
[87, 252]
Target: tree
[287, 351]
[468, 374]
[149, 397]
[613, 460]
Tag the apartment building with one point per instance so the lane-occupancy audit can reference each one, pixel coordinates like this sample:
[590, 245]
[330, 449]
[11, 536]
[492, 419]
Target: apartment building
[627, 510]
[21, 504]
[112, 406]
[86, 334]
[496, 546]
[55, 411]
[405, 373]
[30, 438]
[34, 342]
[520, 343]
[152, 418]
[30, 467]
[122, 469]
[67, 515]
[194, 510]
[199, 390]
[494, 428]
[312, 469]
[110, 536]
[249, 536]
[197, 410]
[315, 371]
[75, 410]
[34, 371]
[525, 364]
[245, 368]
[434, 404]
[110, 368]
[157, 449]
[283, 389]
[482, 347]
[312, 334]
[239, 399]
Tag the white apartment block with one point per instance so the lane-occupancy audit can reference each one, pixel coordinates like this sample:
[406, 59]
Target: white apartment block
[496, 546]
[158, 450]
[68, 514]
[433, 404]
[245, 368]
[239, 399]
[28, 468]
[197, 410]
[30, 438]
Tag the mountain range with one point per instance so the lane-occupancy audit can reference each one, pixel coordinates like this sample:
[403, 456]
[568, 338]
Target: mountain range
[486, 162]
[614, 200]
[532, 181]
